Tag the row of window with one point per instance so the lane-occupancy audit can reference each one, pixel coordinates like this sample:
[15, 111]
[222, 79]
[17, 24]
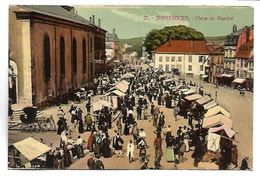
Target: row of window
[167, 67]
[167, 58]
[229, 53]
[47, 56]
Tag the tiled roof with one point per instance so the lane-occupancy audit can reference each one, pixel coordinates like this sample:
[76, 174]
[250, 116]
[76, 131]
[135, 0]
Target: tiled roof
[184, 46]
[246, 50]
[58, 12]
[232, 39]
[216, 49]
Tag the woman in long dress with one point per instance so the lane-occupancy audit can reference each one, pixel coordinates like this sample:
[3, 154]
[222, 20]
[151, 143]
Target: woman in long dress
[90, 142]
[130, 151]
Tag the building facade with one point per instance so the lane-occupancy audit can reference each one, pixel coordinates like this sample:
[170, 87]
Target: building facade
[245, 63]
[232, 43]
[216, 63]
[112, 45]
[191, 58]
[54, 50]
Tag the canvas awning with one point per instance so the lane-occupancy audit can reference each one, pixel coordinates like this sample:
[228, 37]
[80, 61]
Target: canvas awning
[210, 105]
[179, 86]
[168, 80]
[120, 86]
[162, 76]
[239, 80]
[227, 75]
[98, 105]
[119, 93]
[205, 76]
[31, 148]
[193, 97]
[213, 142]
[128, 75]
[216, 110]
[183, 90]
[191, 91]
[230, 133]
[216, 120]
[203, 100]
[125, 82]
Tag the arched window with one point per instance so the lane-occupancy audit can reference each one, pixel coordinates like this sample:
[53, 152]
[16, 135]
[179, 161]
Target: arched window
[62, 56]
[84, 54]
[74, 56]
[47, 58]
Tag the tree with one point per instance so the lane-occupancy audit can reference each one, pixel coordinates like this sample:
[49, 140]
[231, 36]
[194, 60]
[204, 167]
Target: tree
[157, 37]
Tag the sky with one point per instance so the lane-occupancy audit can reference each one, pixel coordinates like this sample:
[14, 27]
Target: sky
[137, 21]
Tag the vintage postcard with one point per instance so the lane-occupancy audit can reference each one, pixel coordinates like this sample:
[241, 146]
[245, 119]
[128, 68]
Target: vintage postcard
[130, 87]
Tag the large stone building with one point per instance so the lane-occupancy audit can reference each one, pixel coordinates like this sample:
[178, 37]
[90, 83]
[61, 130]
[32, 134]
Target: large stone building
[53, 50]
[232, 43]
[190, 57]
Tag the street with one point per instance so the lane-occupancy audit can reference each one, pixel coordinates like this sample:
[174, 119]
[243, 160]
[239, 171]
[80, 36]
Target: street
[240, 108]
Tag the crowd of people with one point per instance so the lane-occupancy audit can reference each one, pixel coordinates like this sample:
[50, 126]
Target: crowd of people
[148, 91]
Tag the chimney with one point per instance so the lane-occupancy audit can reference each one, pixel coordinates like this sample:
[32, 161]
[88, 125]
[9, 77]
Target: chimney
[90, 19]
[247, 34]
[234, 28]
[99, 23]
[93, 19]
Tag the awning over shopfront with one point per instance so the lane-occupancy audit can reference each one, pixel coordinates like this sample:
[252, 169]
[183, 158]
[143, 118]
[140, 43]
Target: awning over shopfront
[193, 97]
[216, 110]
[31, 148]
[216, 120]
[239, 80]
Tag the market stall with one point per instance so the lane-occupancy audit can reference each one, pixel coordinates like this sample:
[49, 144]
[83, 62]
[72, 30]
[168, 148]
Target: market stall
[216, 120]
[28, 153]
[193, 97]
[203, 100]
[216, 110]
[209, 105]
[98, 105]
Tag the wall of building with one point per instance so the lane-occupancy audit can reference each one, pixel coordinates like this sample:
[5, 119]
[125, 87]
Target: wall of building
[26, 45]
[44, 90]
[172, 64]
[183, 65]
[217, 65]
[20, 53]
[195, 64]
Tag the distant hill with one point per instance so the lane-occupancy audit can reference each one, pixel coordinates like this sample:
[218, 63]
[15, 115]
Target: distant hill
[136, 44]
